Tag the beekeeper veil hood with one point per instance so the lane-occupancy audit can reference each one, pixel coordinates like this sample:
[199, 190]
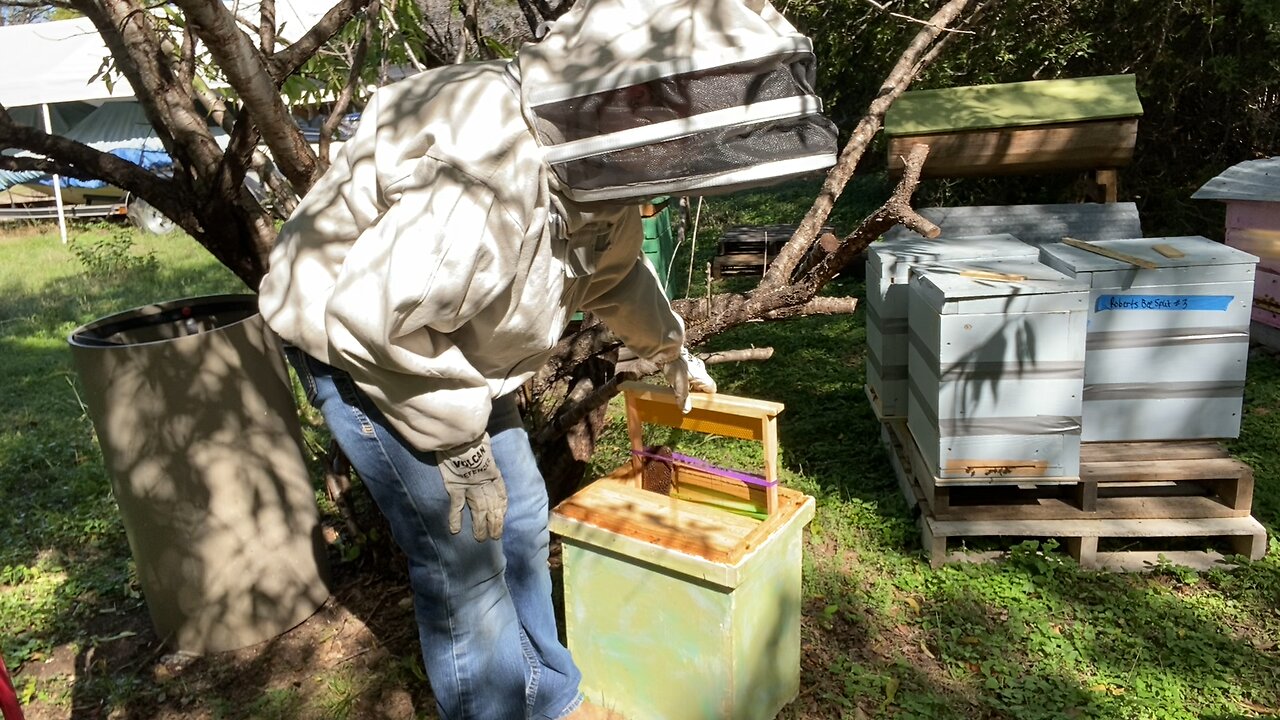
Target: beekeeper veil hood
[635, 98]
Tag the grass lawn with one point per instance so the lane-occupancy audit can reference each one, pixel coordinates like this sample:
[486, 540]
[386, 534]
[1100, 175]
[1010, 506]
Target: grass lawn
[884, 634]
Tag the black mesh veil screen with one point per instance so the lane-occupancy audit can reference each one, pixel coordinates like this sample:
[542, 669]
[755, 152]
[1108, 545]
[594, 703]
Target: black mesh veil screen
[674, 97]
[704, 154]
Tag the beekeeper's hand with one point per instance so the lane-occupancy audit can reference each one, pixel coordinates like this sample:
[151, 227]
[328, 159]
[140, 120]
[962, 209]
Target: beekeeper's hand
[471, 476]
[687, 373]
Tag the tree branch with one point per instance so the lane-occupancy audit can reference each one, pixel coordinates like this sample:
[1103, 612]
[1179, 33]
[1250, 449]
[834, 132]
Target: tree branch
[816, 306]
[75, 159]
[340, 105]
[896, 83]
[129, 33]
[248, 71]
[289, 60]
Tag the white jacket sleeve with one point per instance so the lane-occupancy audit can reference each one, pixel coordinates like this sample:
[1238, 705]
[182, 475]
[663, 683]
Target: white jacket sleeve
[627, 295]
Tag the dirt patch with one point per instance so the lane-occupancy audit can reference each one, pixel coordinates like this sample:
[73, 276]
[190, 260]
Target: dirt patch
[356, 657]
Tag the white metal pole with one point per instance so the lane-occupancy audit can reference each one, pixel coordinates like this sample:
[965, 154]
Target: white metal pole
[57, 181]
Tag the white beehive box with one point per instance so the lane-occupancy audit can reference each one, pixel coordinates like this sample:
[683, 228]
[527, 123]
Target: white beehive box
[996, 369]
[889, 265]
[1166, 347]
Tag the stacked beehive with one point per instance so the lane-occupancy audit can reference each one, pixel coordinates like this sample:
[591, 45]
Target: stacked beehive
[1013, 361]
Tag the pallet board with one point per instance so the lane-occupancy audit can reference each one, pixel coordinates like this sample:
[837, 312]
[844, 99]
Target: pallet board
[1125, 490]
[748, 250]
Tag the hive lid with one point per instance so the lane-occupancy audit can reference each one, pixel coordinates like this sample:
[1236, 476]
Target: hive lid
[907, 252]
[1189, 251]
[688, 537]
[1033, 224]
[1252, 181]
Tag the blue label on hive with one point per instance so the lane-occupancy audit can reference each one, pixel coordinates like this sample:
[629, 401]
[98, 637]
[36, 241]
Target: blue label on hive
[1212, 303]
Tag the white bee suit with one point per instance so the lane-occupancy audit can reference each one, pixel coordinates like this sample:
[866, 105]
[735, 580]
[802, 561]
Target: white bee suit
[425, 263]
[444, 253]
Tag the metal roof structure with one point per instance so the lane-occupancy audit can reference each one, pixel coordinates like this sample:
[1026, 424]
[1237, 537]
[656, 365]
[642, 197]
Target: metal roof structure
[1252, 180]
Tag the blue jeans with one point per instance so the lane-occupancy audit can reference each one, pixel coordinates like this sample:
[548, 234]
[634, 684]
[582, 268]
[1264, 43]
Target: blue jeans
[484, 610]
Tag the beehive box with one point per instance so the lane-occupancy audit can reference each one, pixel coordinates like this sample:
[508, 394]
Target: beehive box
[676, 607]
[996, 369]
[889, 266]
[1251, 191]
[1167, 345]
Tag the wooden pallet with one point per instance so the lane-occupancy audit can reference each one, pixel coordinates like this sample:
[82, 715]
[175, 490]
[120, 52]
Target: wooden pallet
[748, 250]
[1125, 490]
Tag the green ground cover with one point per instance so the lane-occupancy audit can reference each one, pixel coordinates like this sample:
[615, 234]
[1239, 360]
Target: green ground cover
[884, 635]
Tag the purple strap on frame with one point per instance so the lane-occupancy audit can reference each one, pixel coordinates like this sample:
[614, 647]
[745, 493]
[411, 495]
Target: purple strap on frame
[707, 467]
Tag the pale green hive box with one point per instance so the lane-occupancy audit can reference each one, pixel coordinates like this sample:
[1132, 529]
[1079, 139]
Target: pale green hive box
[679, 609]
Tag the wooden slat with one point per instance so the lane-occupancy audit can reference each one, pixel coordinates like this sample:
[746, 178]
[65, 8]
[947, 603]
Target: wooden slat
[1112, 528]
[1074, 146]
[1168, 251]
[1145, 451]
[659, 520]
[1152, 471]
[1109, 253]
[1053, 510]
[716, 402]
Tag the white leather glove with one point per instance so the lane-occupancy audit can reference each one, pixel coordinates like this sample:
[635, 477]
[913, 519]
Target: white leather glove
[471, 475]
[687, 373]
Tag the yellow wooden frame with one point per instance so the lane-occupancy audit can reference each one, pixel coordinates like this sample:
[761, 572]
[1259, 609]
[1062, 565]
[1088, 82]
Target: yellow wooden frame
[713, 414]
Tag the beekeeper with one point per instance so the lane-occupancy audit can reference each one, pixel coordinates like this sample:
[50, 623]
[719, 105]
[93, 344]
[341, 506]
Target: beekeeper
[429, 272]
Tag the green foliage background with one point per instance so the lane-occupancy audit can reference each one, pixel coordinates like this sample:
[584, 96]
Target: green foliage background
[1208, 75]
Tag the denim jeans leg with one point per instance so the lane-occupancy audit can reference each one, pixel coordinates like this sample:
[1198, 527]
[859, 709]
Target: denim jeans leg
[484, 610]
[526, 545]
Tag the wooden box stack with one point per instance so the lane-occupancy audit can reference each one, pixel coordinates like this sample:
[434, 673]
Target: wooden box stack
[677, 608]
[1167, 343]
[1251, 191]
[748, 250]
[1140, 342]
[996, 369]
[889, 267]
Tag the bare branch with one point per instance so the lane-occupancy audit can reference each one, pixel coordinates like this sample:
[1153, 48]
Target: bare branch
[343, 101]
[739, 355]
[897, 82]
[75, 159]
[248, 71]
[267, 26]
[287, 61]
[816, 306]
[138, 49]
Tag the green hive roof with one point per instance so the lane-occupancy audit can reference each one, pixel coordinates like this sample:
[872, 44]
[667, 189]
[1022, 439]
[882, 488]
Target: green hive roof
[1037, 102]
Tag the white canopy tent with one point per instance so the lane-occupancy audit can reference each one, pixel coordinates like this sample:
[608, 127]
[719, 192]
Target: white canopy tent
[43, 64]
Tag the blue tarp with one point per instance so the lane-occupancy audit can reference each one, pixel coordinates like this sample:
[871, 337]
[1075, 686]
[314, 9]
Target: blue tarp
[119, 128]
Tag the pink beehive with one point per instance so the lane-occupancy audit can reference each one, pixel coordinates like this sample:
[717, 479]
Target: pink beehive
[1251, 191]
